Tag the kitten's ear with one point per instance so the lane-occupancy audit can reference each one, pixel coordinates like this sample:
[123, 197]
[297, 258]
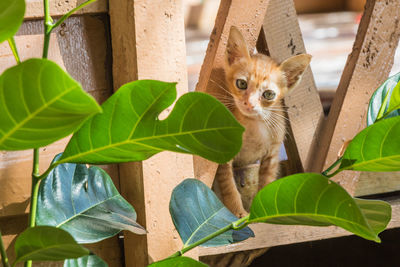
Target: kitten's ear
[293, 69]
[236, 47]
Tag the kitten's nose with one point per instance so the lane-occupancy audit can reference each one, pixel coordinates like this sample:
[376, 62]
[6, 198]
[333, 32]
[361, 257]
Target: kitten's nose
[248, 106]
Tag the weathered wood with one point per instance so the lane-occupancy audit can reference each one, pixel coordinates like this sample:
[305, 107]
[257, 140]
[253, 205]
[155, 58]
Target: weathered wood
[148, 43]
[34, 8]
[248, 17]
[283, 38]
[269, 235]
[371, 183]
[367, 67]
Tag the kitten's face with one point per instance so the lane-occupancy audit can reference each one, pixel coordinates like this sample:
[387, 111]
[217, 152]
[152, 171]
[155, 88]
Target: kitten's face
[257, 83]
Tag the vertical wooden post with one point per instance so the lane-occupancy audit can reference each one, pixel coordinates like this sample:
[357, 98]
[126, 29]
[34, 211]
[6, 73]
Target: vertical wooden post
[248, 17]
[283, 38]
[149, 43]
[367, 67]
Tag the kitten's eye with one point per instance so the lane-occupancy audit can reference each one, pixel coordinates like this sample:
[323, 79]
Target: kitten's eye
[269, 94]
[241, 84]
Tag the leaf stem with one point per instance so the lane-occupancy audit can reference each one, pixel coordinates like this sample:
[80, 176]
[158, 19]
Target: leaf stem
[65, 16]
[11, 43]
[4, 258]
[325, 173]
[237, 225]
[48, 26]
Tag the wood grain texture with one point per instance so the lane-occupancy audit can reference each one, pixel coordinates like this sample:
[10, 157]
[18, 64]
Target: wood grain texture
[283, 39]
[34, 8]
[248, 17]
[269, 235]
[149, 43]
[367, 67]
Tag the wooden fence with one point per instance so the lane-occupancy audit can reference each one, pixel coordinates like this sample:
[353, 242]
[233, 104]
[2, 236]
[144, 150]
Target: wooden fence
[146, 40]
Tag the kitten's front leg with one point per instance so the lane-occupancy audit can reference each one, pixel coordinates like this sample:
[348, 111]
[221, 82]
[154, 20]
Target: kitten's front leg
[268, 169]
[229, 193]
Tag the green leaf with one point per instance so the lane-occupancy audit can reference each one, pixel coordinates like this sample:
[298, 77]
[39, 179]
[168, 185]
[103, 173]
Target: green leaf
[39, 104]
[86, 261]
[197, 213]
[85, 203]
[394, 103]
[311, 199]
[129, 128]
[11, 17]
[178, 262]
[385, 101]
[46, 243]
[378, 213]
[376, 148]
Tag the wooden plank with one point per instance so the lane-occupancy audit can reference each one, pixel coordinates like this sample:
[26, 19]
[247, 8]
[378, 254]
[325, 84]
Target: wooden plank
[371, 183]
[367, 67]
[149, 43]
[248, 17]
[34, 8]
[269, 235]
[283, 38]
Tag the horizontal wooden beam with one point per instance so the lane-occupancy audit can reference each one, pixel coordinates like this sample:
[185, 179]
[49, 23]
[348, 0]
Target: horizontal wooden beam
[34, 8]
[270, 235]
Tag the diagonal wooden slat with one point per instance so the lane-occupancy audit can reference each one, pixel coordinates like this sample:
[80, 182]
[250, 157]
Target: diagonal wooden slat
[282, 36]
[367, 67]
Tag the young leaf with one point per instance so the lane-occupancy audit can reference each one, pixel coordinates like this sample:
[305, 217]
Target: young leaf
[86, 261]
[39, 104]
[385, 101]
[129, 128]
[197, 213]
[178, 262]
[312, 199]
[11, 17]
[376, 148]
[46, 243]
[85, 203]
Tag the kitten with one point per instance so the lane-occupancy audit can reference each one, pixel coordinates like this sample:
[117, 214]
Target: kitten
[256, 86]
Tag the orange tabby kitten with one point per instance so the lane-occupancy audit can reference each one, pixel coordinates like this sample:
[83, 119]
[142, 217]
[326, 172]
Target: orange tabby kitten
[256, 86]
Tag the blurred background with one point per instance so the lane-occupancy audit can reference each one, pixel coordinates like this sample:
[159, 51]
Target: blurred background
[328, 27]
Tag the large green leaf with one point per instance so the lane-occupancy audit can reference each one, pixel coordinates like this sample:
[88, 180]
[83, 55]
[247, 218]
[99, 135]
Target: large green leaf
[39, 104]
[377, 213]
[376, 148]
[11, 17]
[178, 262]
[86, 261]
[197, 213]
[129, 128]
[46, 243]
[312, 199]
[85, 203]
[387, 98]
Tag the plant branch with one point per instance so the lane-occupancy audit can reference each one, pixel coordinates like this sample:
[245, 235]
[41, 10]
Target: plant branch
[325, 173]
[4, 258]
[11, 43]
[48, 26]
[239, 224]
[65, 16]
[44, 175]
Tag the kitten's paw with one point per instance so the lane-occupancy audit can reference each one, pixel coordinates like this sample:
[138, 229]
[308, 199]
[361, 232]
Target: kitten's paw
[241, 213]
